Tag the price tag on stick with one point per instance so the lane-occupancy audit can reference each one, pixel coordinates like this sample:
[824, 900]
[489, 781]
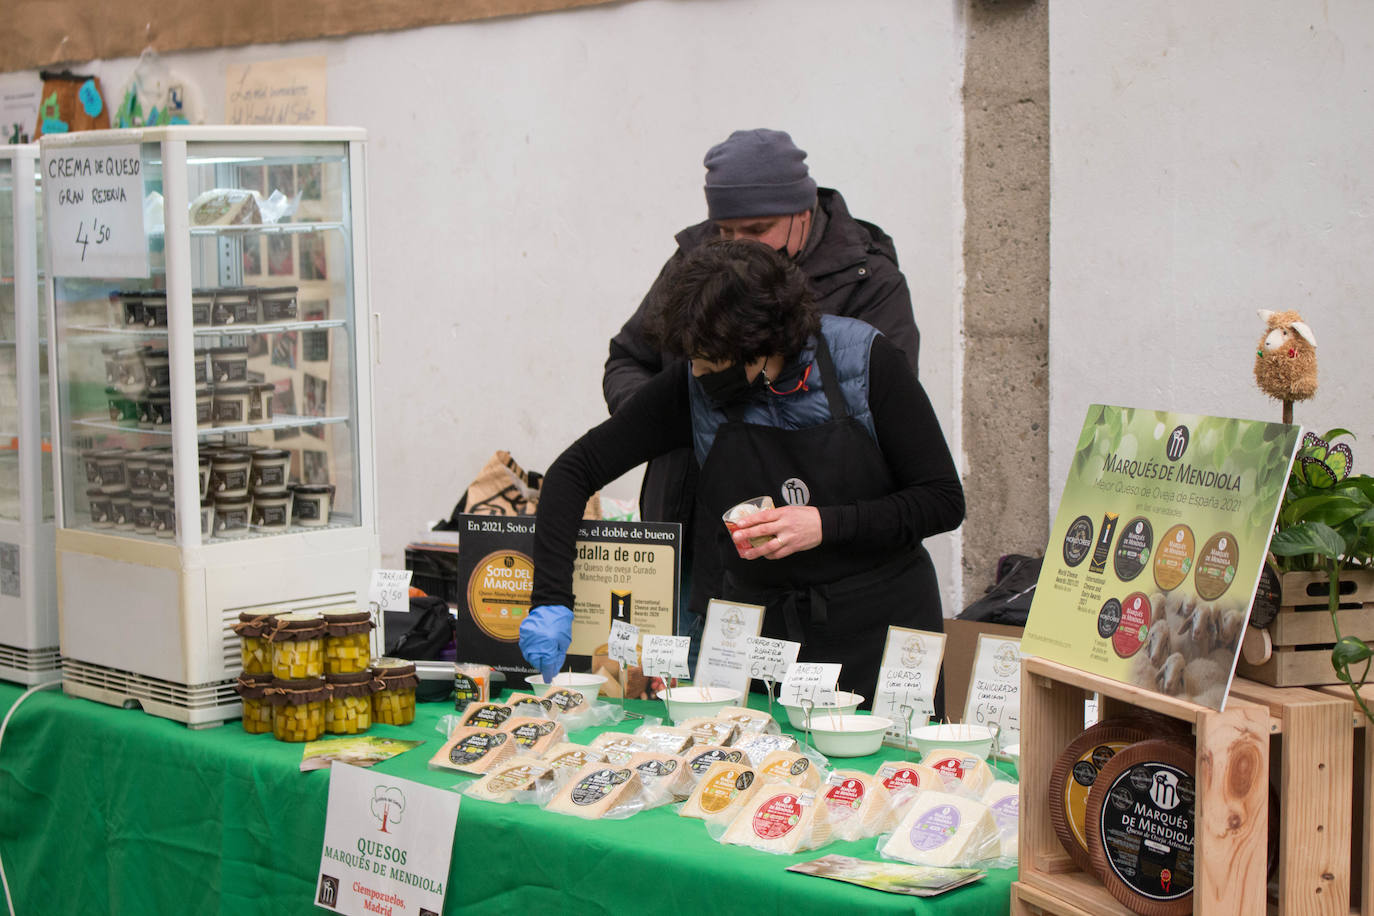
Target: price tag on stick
[810, 683]
[621, 646]
[666, 656]
[769, 659]
[389, 591]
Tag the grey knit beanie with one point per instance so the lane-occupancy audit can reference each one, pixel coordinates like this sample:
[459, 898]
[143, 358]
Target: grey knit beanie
[757, 173]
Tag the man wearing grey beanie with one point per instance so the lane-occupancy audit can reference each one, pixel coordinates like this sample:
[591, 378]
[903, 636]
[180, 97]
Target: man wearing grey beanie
[758, 187]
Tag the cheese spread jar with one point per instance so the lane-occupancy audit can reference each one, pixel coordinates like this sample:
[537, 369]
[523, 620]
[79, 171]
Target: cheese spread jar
[231, 516]
[349, 708]
[160, 479]
[123, 409]
[164, 517]
[155, 309]
[202, 307]
[229, 364]
[127, 307]
[270, 467]
[257, 708]
[130, 369]
[136, 470]
[347, 647]
[156, 369]
[142, 507]
[122, 510]
[229, 474]
[202, 366]
[255, 645]
[102, 508]
[394, 702]
[205, 407]
[231, 404]
[160, 400]
[278, 303]
[297, 646]
[271, 510]
[310, 504]
[234, 306]
[298, 708]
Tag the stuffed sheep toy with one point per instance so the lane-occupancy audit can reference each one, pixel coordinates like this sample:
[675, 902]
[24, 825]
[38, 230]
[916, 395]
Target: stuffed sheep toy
[1286, 361]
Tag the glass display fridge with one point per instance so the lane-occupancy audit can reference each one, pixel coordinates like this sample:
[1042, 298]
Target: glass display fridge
[211, 372]
[28, 599]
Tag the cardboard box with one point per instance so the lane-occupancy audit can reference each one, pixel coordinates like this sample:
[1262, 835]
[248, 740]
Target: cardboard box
[961, 642]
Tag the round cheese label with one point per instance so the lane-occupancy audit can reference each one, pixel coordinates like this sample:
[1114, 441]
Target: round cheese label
[954, 767]
[529, 733]
[935, 828]
[1133, 549]
[566, 699]
[1174, 557]
[1084, 773]
[1134, 626]
[658, 767]
[514, 778]
[474, 747]
[848, 794]
[569, 760]
[776, 817]
[719, 790]
[542, 706]
[702, 762]
[595, 786]
[1146, 826]
[903, 777]
[490, 715]
[1216, 566]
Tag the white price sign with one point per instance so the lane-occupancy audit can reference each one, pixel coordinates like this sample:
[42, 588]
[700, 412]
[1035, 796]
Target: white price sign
[994, 692]
[389, 591]
[905, 687]
[769, 659]
[621, 644]
[812, 682]
[666, 656]
[93, 207]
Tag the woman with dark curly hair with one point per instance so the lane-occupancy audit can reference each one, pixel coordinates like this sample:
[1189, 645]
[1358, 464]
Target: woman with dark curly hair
[821, 413]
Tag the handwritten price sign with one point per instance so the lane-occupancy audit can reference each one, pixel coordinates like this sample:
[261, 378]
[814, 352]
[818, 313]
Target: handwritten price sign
[93, 200]
[622, 642]
[769, 659]
[666, 656]
[994, 693]
[389, 590]
[905, 687]
[813, 682]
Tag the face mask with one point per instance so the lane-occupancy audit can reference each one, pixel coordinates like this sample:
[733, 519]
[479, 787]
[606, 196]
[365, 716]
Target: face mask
[731, 385]
[783, 249]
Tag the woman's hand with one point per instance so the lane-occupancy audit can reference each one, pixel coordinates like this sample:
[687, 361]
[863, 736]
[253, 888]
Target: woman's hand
[794, 528]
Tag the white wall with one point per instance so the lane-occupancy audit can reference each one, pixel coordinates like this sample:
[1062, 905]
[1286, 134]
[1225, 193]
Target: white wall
[1208, 159]
[527, 176]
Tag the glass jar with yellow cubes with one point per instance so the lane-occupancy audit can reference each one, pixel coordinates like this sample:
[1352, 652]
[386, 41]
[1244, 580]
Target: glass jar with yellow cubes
[298, 708]
[257, 709]
[254, 629]
[394, 702]
[347, 649]
[297, 646]
[349, 710]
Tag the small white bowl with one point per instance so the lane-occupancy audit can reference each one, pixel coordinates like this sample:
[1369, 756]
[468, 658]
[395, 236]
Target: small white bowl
[976, 740]
[846, 704]
[848, 736]
[689, 702]
[589, 685]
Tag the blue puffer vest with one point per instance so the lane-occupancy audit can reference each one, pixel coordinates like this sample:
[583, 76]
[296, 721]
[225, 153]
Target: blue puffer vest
[851, 343]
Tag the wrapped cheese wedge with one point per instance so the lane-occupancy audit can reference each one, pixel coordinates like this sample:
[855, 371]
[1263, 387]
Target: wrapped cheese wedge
[899, 775]
[1003, 798]
[501, 784]
[748, 720]
[969, 769]
[566, 700]
[474, 749]
[790, 767]
[619, 747]
[708, 730]
[758, 746]
[721, 784]
[780, 818]
[665, 738]
[527, 704]
[858, 804]
[665, 776]
[701, 756]
[485, 715]
[596, 790]
[944, 830]
[569, 757]
[533, 735]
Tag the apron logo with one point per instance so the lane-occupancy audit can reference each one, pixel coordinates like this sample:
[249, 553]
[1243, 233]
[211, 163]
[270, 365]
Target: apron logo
[795, 492]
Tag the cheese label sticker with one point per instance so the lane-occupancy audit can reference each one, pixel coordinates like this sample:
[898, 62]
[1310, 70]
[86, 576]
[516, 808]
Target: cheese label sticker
[542, 706]
[513, 778]
[1084, 774]
[1134, 627]
[848, 794]
[566, 699]
[776, 816]
[1147, 830]
[720, 789]
[702, 762]
[658, 767]
[1006, 812]
[596, 786]
[474, 747]
[954, 767]
[903, 777]
[571, 760]
[1174, 560]
[934, 828]
[488, 716]
[528, 734]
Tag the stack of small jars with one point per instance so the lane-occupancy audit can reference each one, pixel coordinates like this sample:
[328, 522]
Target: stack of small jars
[352, 684]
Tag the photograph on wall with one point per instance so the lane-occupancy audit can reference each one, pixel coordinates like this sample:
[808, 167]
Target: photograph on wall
[315, 344]
[257, 345]
[314, 466]
[315, 390]
[252, 256]
[280, 262]
[284, 405]
[313, 259]
[281, 178]
[284, 349]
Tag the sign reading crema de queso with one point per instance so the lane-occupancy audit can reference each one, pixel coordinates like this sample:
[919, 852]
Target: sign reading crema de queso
[93, 207]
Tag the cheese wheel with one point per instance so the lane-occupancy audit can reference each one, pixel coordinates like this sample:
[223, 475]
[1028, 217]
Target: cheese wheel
[533, 735]
[857, 804]
[505, 780]
[595, 790]
[664, 774]
[1003, 798]
[721, 783]
[899, 775]
[1140, 826]
[756, 747]
[707, 730]
[485, 715]
[1074, 773]
[780, 818]
[566, 700]
[546, 707]
[619, 747]
[790, 767]
[746, 719]
[968, 768]
[568, 756]
[665, 738]
[700, 757]
[474, 749]
[943, 830]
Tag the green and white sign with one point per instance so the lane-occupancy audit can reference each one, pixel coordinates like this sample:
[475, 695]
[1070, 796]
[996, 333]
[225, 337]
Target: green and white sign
[387, 845]
[1157, 548]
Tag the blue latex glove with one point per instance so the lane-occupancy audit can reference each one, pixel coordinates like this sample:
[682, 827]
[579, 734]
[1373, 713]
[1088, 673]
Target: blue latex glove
[545, 634]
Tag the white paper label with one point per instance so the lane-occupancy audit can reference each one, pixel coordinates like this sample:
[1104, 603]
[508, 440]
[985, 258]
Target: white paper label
[665, 656]
[93, 200]
[909, 673]
[387, 844]
[724, 657]
[769, 659]
[621, 644]
[813, 682]
[389, 591]
[994, 692]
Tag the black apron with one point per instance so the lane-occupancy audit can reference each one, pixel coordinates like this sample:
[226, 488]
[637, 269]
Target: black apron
[836, 601]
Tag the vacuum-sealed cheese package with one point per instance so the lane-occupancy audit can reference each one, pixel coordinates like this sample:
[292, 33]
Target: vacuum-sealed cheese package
[722, 783]
[485, 715]
[599, 790]
[527, 704]
[701, 756]
[945, 830]
[707, 730]
[533, 735]
[749, 721]
[781, 819]
[858, 804]
[567, 758]
[972, 771]
[473, 749]
[790, 767]
[665, 738]
[1003, 798]
[225, 207]
[503, 782]
[759, 745]
[665, 777]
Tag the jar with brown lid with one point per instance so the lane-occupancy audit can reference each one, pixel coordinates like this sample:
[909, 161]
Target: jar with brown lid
[254, 630]
[394, 702]
[298, 708]
[257, 709]
[297, 646]
[346, 640]
[349, 709]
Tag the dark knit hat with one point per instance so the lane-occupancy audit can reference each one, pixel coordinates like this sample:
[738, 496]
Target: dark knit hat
[757, 173]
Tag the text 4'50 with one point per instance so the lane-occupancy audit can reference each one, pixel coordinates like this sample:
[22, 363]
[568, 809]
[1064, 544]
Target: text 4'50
[98, 233]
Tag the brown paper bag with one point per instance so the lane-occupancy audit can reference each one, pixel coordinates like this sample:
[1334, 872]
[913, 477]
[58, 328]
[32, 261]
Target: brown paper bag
[504, 488]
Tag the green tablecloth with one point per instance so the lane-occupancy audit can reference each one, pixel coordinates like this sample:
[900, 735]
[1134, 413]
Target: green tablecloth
[107, 810]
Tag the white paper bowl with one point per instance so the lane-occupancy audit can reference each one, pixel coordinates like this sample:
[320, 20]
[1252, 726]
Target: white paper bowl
[848, 736]
[846, 704]
[975, 740]
[589, 685]
[688, 702]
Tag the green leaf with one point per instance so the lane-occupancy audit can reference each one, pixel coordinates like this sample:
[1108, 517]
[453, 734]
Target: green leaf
[1328, 507]
[1331, 434]
[1349, 651]
[1308, 537]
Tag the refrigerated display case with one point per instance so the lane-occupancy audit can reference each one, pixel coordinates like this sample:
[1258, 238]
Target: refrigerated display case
[213, 399]
[28, 599]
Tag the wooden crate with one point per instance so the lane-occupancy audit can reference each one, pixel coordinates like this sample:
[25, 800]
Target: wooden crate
[1362, 829]
[1295, 650]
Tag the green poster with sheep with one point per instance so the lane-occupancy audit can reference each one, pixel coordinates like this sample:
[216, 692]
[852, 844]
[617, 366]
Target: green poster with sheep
[1157, 547]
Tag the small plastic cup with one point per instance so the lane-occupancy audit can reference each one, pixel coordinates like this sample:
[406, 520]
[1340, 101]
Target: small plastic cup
[741, 511]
